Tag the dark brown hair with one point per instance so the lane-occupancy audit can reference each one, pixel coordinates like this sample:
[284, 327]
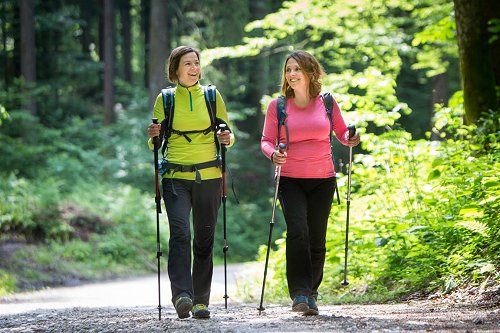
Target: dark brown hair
[311, 67]
[175, 58]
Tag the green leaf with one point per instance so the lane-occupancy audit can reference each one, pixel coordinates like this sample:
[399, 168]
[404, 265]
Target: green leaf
[475, 226]
[435, 173]
[491, 183]
[417, 228]
[437, 162]
[381, 241]
[475, 212]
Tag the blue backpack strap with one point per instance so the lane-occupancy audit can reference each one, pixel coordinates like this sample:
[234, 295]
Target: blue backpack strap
[168, 96]
[281, 114]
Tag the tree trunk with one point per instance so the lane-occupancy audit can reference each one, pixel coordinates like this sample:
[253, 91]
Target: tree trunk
[28, 52]
[127, 40]
[492, 11]
[145, 9]
[109, 62]
[86, 17]
[476, 66]
[4, 54]
[157, 49]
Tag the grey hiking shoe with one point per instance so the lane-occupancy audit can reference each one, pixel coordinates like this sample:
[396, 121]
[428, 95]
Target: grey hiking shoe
[200, 311]
[300, 304]
[182, 306]
[313, 308]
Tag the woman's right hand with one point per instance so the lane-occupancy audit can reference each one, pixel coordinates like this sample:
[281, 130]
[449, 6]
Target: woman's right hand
[153, 130]
[278, 158]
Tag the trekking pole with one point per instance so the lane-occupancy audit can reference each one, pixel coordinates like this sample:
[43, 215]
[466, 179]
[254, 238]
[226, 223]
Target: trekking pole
[281, 148]
[223, 127]
[352, 131]
[158, 212]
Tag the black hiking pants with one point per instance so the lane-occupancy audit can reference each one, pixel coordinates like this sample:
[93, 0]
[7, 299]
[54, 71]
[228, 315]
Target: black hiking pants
[306, 204]
[204, 200]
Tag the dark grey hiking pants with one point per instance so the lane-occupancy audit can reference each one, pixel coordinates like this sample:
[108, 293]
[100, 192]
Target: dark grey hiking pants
[306, 204]
[203, 199]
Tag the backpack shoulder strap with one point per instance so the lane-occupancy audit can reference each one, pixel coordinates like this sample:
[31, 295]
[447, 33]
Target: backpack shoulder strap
[210, 93]
[328, 101]
[281, 114]
[168, 96]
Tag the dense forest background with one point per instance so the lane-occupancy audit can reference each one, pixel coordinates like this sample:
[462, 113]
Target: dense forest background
[419, 78]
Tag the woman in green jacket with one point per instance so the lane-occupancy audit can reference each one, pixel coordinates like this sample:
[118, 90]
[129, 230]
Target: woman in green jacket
[192, 181]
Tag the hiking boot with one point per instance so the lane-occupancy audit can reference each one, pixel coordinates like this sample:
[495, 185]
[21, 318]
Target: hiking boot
[300, 304]
[313, 308]
[182, 306]
[200, 311]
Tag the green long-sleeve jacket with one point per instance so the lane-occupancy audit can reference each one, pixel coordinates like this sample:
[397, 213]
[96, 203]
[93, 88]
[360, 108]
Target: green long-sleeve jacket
[191, 114]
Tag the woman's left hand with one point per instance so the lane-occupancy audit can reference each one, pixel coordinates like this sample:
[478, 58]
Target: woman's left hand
[353, 141]
[224, 137]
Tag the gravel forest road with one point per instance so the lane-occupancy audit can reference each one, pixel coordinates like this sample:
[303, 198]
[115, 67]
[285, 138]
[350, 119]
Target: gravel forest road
[131, 306]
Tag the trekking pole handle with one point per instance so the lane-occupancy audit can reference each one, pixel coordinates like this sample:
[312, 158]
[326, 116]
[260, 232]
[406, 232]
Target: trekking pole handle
[155, 139]
[352, 130]
[223, 127]
[281, 148]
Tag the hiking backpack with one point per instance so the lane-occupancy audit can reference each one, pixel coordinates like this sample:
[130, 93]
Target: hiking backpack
[168, 95]
[166, 131]
[281, 114]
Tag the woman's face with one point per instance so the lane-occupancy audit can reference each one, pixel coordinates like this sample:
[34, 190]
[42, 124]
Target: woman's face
[294, 75]
[189, 70]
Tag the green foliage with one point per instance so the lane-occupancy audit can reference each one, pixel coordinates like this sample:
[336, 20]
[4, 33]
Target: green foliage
[7, 283]
[494, 29]
[96, 231]
[3, 114]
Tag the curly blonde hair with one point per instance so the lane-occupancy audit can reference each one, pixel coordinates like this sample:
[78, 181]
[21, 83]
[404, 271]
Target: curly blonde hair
[311, 67]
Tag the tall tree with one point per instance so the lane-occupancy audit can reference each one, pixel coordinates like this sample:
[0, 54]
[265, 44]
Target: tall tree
[476, 63]
[157, 48]
[109, 62]
[28, 51]
[127, 40]
[86, 17]
[145, 9]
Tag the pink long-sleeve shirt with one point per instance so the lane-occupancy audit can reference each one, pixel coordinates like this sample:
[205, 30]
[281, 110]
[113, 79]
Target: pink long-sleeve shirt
[309, 154]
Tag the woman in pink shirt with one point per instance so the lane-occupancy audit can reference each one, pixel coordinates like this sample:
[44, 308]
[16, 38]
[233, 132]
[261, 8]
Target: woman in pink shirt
[307, 182]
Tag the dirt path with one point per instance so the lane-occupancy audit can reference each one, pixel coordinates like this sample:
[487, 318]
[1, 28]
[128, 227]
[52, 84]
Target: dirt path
[131, 306]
